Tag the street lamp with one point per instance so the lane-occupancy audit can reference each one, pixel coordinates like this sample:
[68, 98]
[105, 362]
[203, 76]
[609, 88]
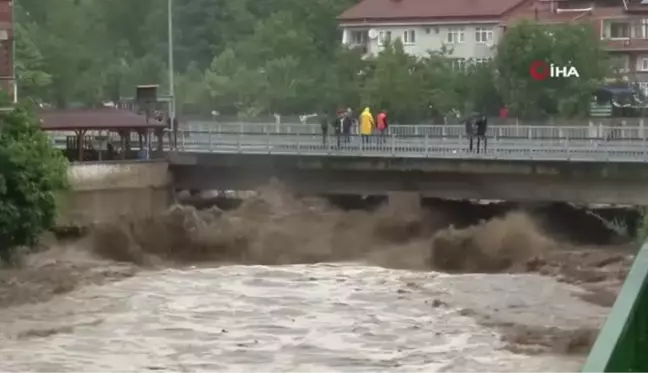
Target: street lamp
[13, 52]
[172, 103]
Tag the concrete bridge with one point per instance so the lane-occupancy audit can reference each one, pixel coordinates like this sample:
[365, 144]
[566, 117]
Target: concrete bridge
[585, 170]
[588, 169]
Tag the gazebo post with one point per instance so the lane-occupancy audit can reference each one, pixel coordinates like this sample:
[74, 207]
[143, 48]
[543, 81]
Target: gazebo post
[140, 136]
[122, 139]
[80, 134]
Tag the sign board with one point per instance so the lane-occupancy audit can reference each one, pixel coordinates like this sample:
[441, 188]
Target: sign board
[100, 142]
[146, 93]
[600, 110]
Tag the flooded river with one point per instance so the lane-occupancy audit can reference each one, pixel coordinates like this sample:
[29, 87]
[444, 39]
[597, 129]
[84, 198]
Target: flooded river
[325, 318]
[309, 288]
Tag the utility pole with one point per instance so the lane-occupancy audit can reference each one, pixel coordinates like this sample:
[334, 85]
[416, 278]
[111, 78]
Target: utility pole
[13, 51]
[172, 103]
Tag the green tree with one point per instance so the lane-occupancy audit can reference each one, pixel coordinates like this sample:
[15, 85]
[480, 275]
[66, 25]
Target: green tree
[441, 85]
[193, 96]
[395, 84]
[564, 45]
[30, 65]
[477, 89]
[31, 172]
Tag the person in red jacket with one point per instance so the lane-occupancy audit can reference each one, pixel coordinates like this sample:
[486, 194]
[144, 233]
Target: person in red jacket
[381, 125]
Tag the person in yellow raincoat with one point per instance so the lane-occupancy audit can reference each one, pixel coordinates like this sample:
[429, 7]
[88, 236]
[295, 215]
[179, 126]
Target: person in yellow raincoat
[366, 125]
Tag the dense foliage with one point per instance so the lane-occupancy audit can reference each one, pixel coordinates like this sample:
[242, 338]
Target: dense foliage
[31, 172]
[249, 57]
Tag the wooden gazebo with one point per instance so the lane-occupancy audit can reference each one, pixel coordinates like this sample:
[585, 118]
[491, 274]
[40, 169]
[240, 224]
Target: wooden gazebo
[87, 125]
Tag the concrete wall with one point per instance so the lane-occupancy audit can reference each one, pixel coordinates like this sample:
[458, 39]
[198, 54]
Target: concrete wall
[104, 192]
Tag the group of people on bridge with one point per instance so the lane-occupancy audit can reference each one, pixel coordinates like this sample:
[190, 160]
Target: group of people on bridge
[476, 126]
[344, 122]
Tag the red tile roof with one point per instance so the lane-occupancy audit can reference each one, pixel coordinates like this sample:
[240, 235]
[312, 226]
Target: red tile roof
[545, 16]
[385, 10]
[90, 119]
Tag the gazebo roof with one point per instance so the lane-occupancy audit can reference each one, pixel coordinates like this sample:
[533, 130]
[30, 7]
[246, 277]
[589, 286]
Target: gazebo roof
[95, 119]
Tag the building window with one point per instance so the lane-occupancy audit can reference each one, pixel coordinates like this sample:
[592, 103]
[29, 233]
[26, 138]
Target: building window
[643, 33]
[643, 64]
[643, 86]
[456, 35]
[483, 35]
[619, 30]
[459, 64]
[384, 37]
[481, 61]
[359, 37]
[409, 37]
[621, 63]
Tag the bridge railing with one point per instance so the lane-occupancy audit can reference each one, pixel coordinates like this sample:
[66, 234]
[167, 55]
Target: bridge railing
[622, 344]
[421, 147]
[437, 131]
[499, 131]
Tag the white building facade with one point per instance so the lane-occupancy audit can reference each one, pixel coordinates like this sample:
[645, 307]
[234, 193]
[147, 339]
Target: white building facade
[467, 30]
[463, 41]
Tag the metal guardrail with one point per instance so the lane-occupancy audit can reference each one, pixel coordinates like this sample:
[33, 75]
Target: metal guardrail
[412, 147]
[501, 131]
[622, 344]
[422, 146]
[635, 133]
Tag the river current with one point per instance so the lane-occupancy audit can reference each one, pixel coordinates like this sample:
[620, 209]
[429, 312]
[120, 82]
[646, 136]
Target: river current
[308, 287]
[324, 318]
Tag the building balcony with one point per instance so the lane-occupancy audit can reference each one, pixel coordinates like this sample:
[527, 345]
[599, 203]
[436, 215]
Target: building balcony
[626, 45]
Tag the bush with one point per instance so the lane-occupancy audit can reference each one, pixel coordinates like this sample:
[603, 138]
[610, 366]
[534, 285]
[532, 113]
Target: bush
[31, 172]
[642, 227]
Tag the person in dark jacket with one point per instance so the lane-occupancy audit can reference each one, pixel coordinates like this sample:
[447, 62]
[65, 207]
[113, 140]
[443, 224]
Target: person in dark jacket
[338, 124]
[482, 129]
[347, 123]
[470, 131]
[324, 123]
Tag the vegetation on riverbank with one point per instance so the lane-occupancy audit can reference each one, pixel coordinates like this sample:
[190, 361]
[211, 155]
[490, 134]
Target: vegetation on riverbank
[244, 57]
[31, 172]
[642, 227]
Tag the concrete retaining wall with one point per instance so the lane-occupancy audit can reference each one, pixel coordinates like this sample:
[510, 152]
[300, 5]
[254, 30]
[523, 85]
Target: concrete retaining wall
[105, 192]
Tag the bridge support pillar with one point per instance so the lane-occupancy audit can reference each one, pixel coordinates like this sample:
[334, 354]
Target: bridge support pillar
[405, 201]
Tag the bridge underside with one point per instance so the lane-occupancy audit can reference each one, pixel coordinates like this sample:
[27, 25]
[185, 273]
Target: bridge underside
[453, 179]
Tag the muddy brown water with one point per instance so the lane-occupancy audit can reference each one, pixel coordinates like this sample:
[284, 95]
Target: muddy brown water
[282, 284]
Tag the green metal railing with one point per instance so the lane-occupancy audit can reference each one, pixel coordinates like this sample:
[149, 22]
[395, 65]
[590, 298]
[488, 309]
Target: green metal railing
[622, 344]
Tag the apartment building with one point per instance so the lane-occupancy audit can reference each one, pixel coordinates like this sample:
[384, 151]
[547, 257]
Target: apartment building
[470, 29]
[6, 46]
[622, 26]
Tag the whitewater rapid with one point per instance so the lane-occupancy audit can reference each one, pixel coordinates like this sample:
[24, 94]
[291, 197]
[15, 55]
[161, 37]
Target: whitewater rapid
[324, 318]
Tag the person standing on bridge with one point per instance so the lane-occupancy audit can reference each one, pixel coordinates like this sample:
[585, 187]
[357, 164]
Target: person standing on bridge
[366, 125]
[381, 125]
[324, 123]
[470, 131]
[347, 123]
[482, 129]
[338, 124]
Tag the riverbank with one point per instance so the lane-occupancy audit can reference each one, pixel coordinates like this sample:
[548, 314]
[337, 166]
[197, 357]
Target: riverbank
[60, 268]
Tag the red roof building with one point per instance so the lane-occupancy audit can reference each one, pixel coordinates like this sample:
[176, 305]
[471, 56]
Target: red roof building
[622, 26]
[468, 29]
[6, 46]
